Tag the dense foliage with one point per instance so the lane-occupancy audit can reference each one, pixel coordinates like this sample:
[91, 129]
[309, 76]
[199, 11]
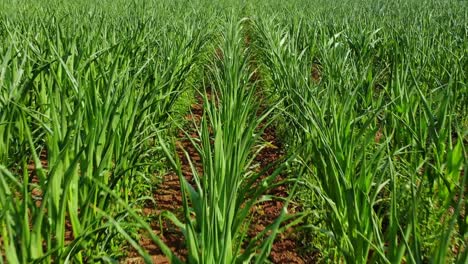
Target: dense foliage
[370, 99]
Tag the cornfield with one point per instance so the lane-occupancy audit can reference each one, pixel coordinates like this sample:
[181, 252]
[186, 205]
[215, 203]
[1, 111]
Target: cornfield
[233, 131]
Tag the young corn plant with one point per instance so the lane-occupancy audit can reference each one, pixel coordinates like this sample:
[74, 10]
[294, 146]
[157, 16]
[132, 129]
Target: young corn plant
[371, 169]
[86, 116]
[218, 205]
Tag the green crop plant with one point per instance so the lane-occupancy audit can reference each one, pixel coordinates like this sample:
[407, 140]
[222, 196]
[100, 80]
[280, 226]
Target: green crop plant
[81, 103]
[217, 206]
[377, 124]
[369, 99]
